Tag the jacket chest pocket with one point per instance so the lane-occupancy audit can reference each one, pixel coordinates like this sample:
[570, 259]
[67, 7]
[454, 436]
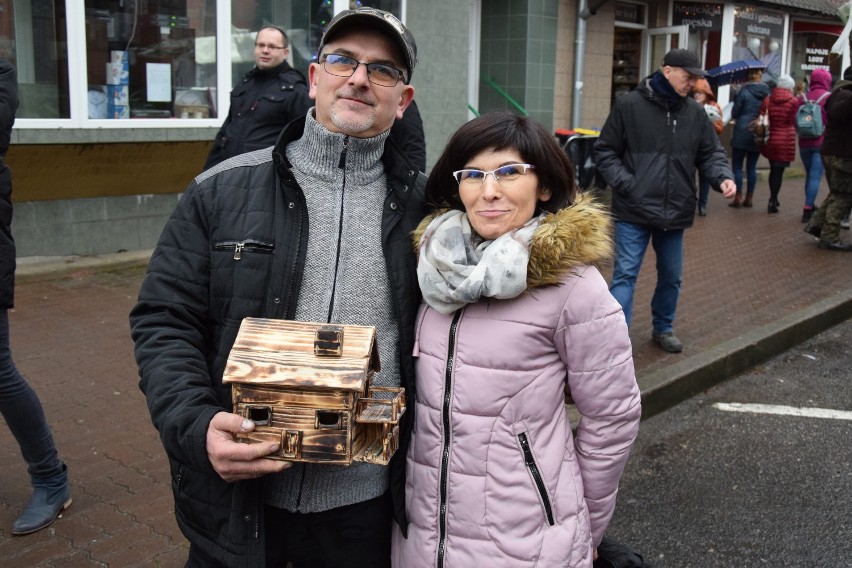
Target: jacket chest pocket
[240, 269]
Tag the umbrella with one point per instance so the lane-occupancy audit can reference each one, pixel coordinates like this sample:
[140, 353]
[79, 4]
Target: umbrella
[733, 72]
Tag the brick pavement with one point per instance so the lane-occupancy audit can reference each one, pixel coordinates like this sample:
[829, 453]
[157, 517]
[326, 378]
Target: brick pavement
[70, 337]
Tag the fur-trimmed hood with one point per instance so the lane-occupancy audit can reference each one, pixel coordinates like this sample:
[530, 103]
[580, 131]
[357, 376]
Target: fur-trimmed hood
[572, 237]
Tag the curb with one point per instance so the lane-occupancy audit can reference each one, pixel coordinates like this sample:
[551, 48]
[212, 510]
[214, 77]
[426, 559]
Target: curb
[666, 387]
[40, 265]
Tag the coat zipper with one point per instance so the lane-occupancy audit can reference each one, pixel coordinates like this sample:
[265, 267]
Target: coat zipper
[342, 165]
[445, 454]
[536, 475]
[240, 246]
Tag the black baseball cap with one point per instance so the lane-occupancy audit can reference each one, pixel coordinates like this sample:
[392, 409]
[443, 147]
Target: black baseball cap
[685, 59]
[373, 18]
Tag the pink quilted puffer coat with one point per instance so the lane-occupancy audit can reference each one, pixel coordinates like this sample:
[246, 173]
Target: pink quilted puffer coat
[494, 476]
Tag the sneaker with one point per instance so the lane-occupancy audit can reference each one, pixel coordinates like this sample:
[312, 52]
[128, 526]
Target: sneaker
[702, 212]
[668, 342]
[844, 223]
[835, 245]
[806, 215]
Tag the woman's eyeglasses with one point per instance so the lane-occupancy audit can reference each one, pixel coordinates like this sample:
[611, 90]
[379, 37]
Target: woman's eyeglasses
[503, 174]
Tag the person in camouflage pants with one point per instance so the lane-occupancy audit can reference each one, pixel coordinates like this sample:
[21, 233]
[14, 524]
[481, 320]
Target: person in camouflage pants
[837, 158]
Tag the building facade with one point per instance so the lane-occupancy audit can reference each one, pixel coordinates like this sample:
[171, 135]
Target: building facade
[120, 99]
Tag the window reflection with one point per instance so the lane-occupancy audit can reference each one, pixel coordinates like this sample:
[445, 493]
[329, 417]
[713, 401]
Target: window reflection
[32, 38]
[154, 59]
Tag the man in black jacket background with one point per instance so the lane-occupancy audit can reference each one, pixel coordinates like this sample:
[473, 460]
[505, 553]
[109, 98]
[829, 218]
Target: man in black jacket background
[268, 97]
[652, 142]
[317, 228]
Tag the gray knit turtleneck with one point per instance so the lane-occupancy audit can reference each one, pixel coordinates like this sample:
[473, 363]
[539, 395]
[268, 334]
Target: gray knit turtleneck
[345, 211]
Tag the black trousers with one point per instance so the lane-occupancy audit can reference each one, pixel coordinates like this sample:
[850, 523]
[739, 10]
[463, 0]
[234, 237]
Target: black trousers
[354, 536]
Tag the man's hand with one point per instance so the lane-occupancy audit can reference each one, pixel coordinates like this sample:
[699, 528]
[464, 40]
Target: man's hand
[235, 461]
[729, 188]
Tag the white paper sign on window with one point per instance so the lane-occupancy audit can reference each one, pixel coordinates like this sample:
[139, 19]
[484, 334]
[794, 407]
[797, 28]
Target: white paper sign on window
[159, 79]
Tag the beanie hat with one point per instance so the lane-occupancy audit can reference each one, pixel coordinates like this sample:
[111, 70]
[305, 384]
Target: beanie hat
[786, 82]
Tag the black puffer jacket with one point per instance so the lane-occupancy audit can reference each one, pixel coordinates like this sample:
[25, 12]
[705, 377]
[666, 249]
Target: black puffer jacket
[261, 106]
[8, 107]
[648, 151]
[194, 297]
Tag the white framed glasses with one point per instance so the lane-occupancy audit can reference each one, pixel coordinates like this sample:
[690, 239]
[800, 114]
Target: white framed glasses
[380, 74]
[503, 174]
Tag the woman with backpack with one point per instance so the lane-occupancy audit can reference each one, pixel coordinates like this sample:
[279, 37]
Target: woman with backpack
[746, 108]
[780, 150]
[809, 146]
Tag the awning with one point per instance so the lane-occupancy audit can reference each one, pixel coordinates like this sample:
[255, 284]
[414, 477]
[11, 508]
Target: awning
[824, 7]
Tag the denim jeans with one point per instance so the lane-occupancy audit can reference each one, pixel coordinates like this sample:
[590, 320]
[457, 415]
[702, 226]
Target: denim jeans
[814, 169]
[23, 413]
[631, 241]
[703, 191]
[737, 157]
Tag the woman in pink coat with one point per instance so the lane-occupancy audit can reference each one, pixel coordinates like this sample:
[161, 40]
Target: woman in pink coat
[809, 148]
[780, 149]
[516, 317]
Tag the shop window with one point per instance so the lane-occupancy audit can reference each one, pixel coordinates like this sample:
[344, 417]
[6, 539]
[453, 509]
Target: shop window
[304, 21]
[759, 34]
[812, 45]
[151, 59]
[32, 38]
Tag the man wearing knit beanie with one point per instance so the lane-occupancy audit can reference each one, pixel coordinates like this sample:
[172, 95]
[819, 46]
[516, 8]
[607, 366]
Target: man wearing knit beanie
[315, 229]
[837, 159]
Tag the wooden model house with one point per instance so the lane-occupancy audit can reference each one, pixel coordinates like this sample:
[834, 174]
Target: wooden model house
[307, 386]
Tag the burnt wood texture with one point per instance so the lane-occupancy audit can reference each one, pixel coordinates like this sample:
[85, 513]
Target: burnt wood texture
[307, 387]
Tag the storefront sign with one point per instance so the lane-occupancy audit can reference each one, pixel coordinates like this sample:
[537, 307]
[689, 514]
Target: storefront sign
[629, 13]
[752, 21]
[698, 16]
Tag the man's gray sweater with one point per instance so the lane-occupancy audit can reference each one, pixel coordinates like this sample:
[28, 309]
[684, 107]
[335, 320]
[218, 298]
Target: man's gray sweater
[345, 281]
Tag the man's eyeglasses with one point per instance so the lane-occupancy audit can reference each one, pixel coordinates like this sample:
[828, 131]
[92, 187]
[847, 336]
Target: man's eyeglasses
[270, 47]
[377, 73]
[503, 174]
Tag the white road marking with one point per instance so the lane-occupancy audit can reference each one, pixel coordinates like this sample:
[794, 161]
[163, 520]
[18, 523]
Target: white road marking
[785, 410]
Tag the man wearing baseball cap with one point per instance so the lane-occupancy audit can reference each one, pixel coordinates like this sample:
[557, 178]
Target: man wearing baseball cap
[654, 139]
[315, 229]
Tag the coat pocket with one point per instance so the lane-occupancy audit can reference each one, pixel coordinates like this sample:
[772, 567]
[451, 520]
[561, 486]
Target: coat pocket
[535, 475]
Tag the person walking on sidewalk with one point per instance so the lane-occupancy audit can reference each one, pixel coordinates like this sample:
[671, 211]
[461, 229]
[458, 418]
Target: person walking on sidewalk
[19, 403]
[648, 150]
[315, 229]
[837, 156]
[743, 147]
[809, 148]
[705, 97]
[268, 97]
[780, 149]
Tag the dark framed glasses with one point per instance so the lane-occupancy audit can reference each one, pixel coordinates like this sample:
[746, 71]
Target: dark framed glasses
[507, 173]
[380, 74]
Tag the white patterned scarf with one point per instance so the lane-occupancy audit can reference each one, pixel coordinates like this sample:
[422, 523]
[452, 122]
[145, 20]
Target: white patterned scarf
[456, 267]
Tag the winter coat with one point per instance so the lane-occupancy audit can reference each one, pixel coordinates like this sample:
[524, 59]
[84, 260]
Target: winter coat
[408, 135]
[819, 85]
[746, 108]
[495, 477]
[8, 107]
[648, 153]
[235, 248]
[781, 106]
[261, 106]
[839, 125]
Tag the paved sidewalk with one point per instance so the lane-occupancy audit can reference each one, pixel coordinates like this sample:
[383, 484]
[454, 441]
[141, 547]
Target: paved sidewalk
[753, 285]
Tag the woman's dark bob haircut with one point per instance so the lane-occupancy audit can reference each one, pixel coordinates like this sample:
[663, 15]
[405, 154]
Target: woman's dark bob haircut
[503, 131]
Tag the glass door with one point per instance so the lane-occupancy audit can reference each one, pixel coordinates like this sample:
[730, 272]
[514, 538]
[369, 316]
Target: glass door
[658, 42]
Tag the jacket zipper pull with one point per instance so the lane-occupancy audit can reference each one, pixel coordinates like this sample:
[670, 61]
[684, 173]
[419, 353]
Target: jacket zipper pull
[238, 250]
[342, 163]
[674, 126]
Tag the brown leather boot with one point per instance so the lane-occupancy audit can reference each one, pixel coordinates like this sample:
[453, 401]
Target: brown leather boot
[737, 202]
[747, 200]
